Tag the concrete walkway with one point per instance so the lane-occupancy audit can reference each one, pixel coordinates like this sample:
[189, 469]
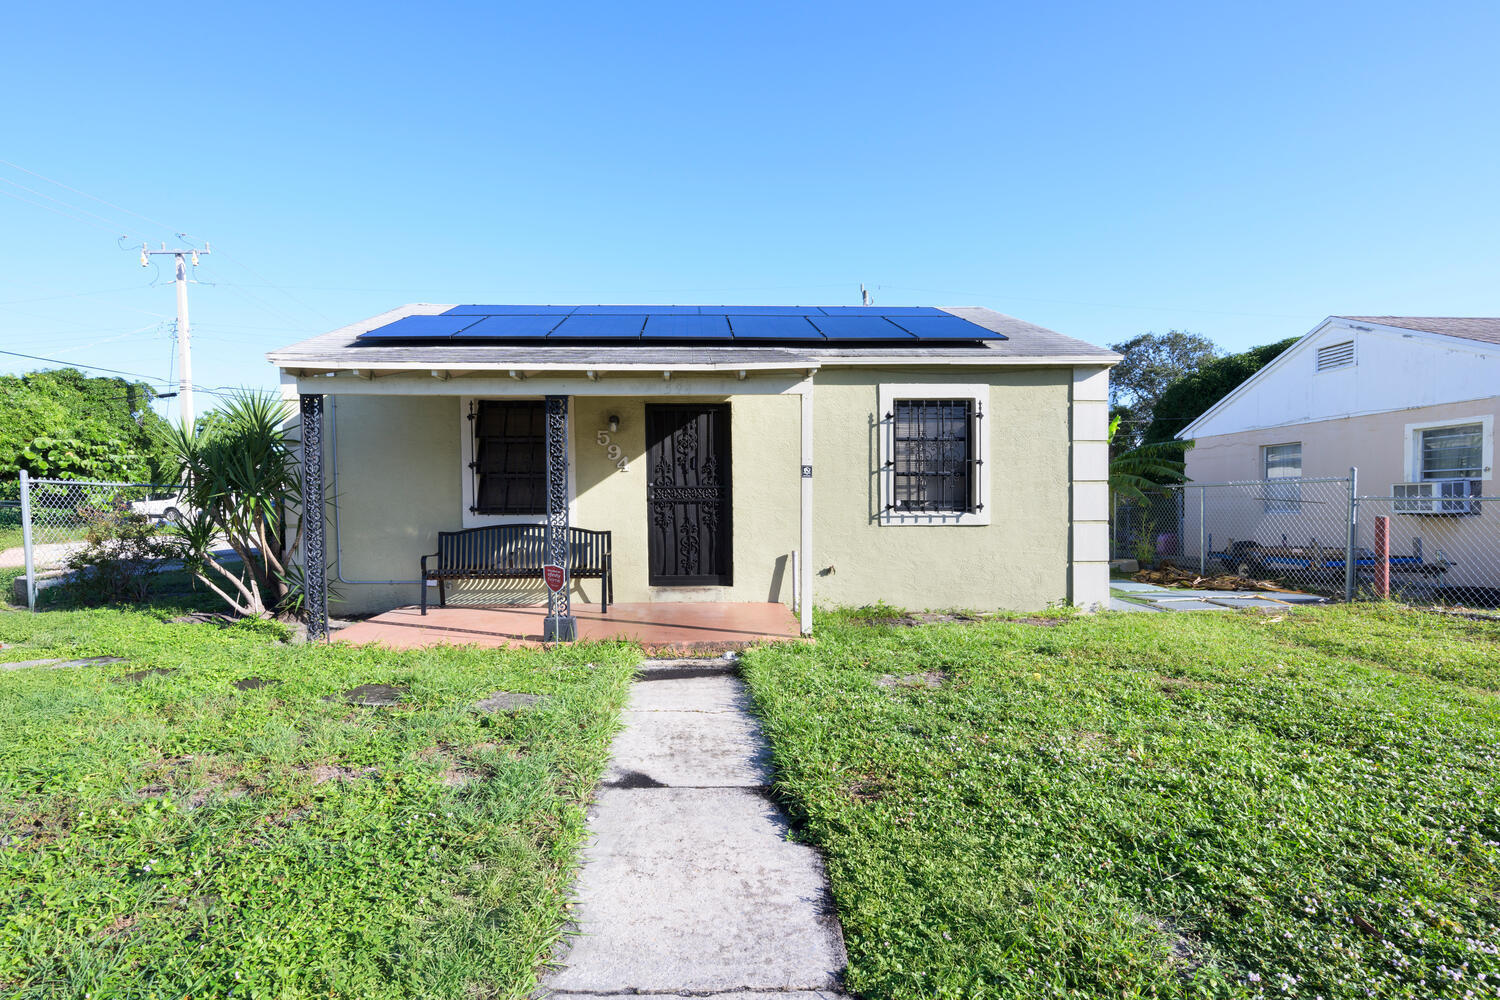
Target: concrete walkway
[690, 887]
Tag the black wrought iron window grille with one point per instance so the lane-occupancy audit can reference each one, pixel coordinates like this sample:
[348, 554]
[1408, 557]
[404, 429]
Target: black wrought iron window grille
[934, 462]
[509, 468]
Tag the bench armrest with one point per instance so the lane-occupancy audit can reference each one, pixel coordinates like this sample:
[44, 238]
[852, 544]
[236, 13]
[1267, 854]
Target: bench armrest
[432, 555]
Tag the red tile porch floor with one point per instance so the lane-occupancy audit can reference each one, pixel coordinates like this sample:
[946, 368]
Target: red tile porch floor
[704, 627]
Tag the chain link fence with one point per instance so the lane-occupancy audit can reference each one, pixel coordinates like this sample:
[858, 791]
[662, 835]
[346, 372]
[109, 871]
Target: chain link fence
[55, 519]
[1318, 536]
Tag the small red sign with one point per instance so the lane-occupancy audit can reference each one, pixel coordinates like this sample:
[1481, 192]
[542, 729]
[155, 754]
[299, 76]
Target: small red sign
[555, 577]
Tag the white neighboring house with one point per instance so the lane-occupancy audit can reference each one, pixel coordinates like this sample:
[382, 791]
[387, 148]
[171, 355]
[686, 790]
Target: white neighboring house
[1410, 401]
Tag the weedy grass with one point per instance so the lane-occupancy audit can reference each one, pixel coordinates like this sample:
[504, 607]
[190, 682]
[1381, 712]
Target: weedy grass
[168, 832]
[1151, 805]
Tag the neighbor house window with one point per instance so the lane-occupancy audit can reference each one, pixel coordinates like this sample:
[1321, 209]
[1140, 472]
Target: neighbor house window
[932, 454]
[1451, 452]
[1282, 461]
[510, 457]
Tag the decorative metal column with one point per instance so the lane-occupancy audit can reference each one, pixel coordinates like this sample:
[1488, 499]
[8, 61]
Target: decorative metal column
[314, 573]
[560, 626]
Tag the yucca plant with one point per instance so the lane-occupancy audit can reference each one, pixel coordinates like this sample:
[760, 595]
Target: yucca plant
[242, 484]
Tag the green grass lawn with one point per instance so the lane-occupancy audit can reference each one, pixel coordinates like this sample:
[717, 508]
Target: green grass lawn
[1138, 805]
[173, 835]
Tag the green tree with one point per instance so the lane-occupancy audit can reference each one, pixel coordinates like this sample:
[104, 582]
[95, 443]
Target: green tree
[64, 424]
[1191, 396]
[1150, 363]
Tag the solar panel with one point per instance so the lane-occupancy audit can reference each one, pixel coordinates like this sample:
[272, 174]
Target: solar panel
[880, 311]
[421, 328]
[636, 311]
[774, 328]
[945, 327]
[758, 310]
[599, 327]
[859, 328]
[678, 327]
[509, 310]
[518, 327]
[898, 325]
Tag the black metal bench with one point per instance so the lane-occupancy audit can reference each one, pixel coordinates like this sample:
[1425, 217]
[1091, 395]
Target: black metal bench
[516, 552]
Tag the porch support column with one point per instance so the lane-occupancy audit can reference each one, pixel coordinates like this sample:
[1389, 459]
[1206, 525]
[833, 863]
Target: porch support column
[806, 542]
[314, 572]
[560, 626]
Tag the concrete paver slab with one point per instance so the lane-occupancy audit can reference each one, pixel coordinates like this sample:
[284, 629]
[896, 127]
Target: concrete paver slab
[691, 889]
[690, 749]
[714, 693]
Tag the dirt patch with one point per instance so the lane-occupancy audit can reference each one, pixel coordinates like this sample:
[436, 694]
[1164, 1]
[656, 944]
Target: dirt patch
[372, 695]
[336, 772]
[1170, 686]
[205, 618]
[139, 675]
[121, 925]
[253, 683]
[866, 788]
[925, 679]
[926, 618]
[1184, 951]
[456, 777]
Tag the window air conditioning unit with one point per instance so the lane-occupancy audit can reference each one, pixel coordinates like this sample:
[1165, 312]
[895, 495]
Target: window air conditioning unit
[1437, 496]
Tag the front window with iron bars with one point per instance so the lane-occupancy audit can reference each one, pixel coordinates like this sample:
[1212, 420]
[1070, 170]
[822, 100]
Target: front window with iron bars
[933, 461]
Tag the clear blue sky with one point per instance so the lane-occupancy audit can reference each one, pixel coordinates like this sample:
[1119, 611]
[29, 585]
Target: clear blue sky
[1101, 169]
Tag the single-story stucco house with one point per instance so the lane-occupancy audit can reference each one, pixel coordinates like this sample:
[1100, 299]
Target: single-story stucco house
[923, 457]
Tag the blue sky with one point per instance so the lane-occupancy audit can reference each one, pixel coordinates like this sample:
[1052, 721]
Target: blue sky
[1101, 169]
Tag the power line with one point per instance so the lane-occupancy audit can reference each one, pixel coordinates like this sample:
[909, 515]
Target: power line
[101, 201]
[77, 364]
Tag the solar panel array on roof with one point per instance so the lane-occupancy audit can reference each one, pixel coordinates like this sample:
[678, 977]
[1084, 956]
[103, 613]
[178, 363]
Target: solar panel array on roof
[887, 326]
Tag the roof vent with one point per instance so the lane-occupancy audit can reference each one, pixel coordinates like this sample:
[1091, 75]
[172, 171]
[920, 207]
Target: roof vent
[1339, 355]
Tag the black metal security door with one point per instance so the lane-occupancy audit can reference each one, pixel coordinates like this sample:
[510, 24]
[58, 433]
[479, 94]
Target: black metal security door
[688, 495]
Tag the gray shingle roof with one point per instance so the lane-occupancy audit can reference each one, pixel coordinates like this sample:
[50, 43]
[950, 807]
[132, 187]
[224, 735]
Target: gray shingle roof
[1486, 329]
[1026, 343]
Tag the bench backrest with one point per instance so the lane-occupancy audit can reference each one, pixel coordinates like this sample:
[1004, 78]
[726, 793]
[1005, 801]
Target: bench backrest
[518, 547]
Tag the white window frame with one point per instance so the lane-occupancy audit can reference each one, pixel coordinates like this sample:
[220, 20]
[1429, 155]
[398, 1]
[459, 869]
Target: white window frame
[1277, 505]
[888, 394]
[471, 519]
[1414, 444]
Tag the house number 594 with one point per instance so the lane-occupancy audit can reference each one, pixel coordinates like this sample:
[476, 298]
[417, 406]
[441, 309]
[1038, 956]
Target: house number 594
[612, 450]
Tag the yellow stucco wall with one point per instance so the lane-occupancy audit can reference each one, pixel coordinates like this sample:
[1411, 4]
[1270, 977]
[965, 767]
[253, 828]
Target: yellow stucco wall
[394, 488]
[399, 482]
[1018, 561]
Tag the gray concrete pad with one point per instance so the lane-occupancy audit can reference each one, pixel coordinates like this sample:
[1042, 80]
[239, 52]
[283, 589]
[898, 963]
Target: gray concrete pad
[716, 693]
[1119, 604]
[690, 749]
[698, 890]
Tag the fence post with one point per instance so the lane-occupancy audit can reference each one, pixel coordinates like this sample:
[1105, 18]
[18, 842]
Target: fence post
[1382, 557]
[26, 541]
[1202, 552]
[1349, 565]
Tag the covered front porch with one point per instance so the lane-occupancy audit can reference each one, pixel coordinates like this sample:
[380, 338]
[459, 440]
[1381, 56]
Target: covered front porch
[683, 628]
